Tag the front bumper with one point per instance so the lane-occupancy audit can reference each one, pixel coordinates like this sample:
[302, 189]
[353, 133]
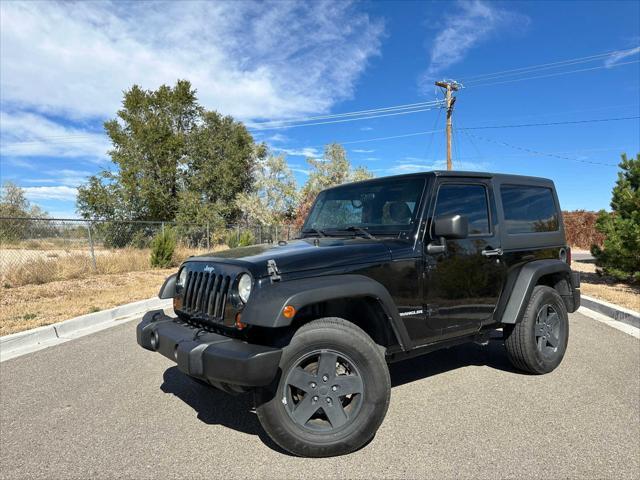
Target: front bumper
[222, 361]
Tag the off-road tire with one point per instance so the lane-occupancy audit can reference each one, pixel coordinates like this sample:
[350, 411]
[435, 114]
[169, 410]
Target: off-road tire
[523, 339]
[330, 336]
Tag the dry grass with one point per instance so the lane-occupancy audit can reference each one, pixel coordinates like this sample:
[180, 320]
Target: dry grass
[604, 288]
[50, 266]
[31, 306]
[47, 289]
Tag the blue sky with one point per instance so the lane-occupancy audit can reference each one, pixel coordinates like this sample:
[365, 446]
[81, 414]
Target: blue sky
[64, 66]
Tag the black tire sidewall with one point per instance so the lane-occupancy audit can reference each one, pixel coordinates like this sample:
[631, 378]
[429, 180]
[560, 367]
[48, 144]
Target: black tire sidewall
[369, 361]
[541, 296]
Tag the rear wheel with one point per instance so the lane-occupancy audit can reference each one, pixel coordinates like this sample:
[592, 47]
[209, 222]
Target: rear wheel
[538, 343]
[332, 394]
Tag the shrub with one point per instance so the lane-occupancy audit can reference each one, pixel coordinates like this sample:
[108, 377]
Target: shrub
[580, 229]
[162, 247]
[233, 240]
[620, 255]
[246, 239]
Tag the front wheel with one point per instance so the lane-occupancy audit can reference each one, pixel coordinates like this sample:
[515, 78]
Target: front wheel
[332, 394]
[538, 343]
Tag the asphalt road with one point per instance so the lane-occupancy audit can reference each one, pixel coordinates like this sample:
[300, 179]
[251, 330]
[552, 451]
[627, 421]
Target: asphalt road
[100, 406]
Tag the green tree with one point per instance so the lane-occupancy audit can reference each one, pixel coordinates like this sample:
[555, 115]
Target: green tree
[274, 197]
[14, 203]
[173, 160]
[620, 255]
[332, 169]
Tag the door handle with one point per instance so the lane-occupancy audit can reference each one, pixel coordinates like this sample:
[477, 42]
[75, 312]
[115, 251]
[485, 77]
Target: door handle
[492, 252]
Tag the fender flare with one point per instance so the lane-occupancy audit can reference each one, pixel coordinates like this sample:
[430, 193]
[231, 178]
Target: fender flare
[265, 309]
[168, 289]
[527, 278]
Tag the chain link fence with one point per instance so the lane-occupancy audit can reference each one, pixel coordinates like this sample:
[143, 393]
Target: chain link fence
[40, 250]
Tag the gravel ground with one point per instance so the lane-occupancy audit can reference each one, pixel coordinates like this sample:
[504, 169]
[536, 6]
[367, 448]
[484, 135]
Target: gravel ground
[102, 407]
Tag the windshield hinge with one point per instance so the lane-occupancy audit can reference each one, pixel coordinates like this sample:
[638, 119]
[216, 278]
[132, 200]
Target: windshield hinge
[272, 271]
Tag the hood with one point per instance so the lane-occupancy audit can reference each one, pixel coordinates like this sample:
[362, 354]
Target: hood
[303, 254]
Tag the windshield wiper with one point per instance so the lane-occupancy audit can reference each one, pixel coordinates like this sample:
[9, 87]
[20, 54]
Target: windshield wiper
[317, 231]
[353, 228]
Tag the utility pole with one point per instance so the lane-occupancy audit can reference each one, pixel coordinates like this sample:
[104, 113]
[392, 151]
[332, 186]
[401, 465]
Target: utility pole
[449, 86]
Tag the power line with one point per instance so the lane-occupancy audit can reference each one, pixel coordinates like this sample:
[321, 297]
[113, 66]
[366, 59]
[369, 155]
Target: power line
[343, 120]
[409, 106]
[545, 66]
[479, 155]
[405, 135]
[536, 152]
[617, 107]
[553, 74]
[430, 132]
[433, 128]
[571, 122]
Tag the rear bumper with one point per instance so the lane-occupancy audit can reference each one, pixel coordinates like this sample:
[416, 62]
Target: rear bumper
[221, 360]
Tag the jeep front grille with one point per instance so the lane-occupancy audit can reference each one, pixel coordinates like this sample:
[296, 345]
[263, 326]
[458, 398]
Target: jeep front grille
[205, 295]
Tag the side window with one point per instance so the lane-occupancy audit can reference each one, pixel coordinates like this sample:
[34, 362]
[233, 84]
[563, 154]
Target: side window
[528, 209]
[467, 200]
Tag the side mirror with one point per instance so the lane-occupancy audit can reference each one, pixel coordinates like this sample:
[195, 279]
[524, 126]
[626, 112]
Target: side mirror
[451, 226]
[448, 227]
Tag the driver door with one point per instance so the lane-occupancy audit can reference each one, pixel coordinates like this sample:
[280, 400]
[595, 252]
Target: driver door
[462, 284]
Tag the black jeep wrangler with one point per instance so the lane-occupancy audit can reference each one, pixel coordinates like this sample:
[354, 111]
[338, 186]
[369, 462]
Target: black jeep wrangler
[384, 269]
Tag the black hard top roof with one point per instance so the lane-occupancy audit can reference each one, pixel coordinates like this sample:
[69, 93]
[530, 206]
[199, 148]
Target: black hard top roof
[502, 177]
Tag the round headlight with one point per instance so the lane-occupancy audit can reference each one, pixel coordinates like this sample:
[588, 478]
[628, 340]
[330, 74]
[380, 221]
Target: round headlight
[182, 278]
[244, 287]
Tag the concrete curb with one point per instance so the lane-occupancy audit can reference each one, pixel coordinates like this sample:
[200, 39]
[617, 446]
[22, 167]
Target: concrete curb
[20, 343]
[616, 312]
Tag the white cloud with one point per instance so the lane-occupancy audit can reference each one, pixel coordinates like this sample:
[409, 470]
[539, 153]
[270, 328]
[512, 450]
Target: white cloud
[66, 177]
[473, 23]
[366, 129]
[362, 150]
[300, 152]
[278, 138]
[50, 193]
[27, 134]
[251, 60]
[616, 57]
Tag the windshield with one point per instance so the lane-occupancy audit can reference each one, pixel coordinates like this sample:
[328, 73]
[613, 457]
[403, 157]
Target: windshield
[379, 207]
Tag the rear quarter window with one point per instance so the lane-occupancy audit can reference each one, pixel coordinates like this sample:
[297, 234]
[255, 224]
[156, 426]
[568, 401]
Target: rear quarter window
[529, 209]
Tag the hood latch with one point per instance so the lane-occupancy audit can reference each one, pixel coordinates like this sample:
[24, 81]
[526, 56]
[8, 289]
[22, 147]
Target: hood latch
[272, 271]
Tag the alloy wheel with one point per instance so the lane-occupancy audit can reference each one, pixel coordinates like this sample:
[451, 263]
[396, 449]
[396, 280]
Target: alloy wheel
[323, 391]
[547, 330]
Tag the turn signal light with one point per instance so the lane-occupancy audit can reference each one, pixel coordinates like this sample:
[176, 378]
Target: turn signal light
[177, 303]
[289, 311]
[239, 323]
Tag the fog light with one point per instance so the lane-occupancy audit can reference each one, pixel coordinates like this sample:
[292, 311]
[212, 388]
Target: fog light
[154, 340]
[289, 311]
